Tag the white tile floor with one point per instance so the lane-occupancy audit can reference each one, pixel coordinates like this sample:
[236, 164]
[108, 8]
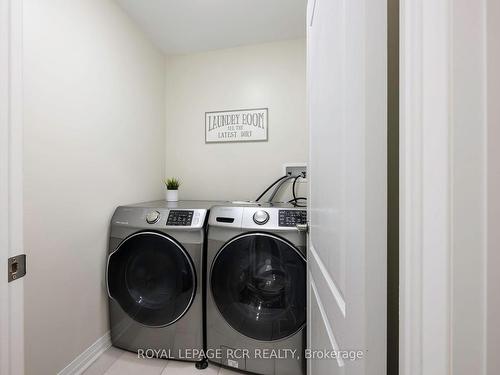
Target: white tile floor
[118, 362]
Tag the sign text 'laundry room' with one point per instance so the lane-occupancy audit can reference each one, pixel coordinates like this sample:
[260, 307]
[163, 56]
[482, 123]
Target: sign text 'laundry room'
[236, 126]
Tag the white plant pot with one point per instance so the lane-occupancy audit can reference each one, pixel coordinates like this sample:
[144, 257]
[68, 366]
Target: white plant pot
[172, 195]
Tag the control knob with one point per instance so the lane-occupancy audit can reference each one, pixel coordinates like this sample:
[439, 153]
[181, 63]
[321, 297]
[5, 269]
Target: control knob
[152, 217]
[260, 217]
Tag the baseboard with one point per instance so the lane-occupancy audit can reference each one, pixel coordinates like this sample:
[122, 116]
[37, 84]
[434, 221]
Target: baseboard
[85, 359]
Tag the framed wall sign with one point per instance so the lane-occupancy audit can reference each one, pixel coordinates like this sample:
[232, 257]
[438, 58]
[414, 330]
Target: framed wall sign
[244, 125]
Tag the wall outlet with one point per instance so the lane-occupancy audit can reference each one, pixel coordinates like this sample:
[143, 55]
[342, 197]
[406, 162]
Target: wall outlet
[294, 169]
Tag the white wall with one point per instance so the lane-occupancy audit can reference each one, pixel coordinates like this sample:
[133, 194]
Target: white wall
[493, 145]
[94, 138]
[476, 185]
[267, 75]
[468, 188]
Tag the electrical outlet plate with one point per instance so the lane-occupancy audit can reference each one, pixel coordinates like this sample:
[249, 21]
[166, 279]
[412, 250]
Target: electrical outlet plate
[294, 169]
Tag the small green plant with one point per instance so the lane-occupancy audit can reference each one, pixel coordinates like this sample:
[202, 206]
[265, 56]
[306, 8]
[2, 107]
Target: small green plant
[172, 183]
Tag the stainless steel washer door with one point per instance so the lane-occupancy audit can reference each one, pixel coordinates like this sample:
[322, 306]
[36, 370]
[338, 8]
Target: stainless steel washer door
[152, 277]
[258, 283]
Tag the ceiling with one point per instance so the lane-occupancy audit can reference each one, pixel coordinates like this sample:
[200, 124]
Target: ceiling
[185, 26]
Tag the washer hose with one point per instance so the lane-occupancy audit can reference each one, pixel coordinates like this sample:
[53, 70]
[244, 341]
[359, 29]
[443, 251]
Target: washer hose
[277, 188]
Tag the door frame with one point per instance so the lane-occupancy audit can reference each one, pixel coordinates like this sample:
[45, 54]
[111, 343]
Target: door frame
[11, 185]
[425, 189]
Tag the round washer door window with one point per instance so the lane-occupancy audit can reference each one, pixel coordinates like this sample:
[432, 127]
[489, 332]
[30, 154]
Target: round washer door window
[152, 277]
[258, 282]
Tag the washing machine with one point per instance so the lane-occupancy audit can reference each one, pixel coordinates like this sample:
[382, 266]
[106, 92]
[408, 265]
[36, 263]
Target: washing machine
[154, 278]
[256, 300]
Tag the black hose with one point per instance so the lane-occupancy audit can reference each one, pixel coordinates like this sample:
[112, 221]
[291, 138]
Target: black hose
[277, 188]
[295, 199]
[270, 187]
[296, 204]
[293, 187]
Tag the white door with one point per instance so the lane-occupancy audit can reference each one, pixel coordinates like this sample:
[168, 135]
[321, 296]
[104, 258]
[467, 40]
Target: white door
[348, 128]
[11, 191]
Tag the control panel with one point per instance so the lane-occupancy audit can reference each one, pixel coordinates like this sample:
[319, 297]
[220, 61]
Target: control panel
[290, 218]
[180, 217]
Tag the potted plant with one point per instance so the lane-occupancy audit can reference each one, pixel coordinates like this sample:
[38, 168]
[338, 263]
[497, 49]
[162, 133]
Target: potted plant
[172, 185]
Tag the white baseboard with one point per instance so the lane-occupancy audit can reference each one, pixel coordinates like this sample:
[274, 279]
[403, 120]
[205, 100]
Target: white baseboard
[85, 359]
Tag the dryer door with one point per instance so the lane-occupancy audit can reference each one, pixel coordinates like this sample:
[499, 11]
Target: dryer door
[152, 277]
[258, 282]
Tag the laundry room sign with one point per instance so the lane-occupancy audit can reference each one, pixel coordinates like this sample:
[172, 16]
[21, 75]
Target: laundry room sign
[245, 125]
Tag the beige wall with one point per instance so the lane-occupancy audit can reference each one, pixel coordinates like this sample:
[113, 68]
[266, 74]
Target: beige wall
[94, 138]
[266, 75]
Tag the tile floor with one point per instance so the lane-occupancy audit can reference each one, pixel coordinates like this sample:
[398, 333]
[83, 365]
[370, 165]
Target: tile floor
[118, 362]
